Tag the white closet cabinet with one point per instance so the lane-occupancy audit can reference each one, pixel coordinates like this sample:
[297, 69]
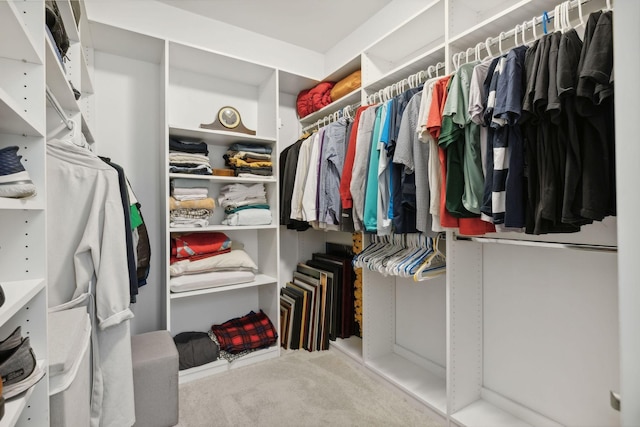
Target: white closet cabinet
[514, 335]
[199, 83]
[22, 221]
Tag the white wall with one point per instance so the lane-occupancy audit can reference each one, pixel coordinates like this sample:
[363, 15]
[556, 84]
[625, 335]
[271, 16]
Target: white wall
[128, 113]
[387, 19]
[163, 21]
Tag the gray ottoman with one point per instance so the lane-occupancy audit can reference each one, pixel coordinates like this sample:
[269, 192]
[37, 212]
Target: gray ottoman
[155, 379]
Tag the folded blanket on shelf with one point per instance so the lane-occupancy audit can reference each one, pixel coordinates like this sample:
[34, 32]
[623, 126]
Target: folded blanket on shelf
[207, 203]
[190, 191]
[253, 172]
[198, 170]
[209, 280]
[188, 222]
[252, 331]
[236, 259]
[188, 146]
[248, 146]
[249, 217]
[236, 194]
[248, 155]
[188, 245]
[257, 164]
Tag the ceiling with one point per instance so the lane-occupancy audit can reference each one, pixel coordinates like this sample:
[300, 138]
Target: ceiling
[317, 25]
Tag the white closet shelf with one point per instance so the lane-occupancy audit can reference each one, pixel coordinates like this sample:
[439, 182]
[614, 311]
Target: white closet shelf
[260, 280]
[221, 365]
[350, 98]
[13, 119]
[17, 294]
[13, 408]
[222, 228]
[224, 179]
[420, 63]
[218, 137]
[57, 80]
[21, 45]
[413, 36]
[86, 129]
[483, 413]
[87, 82]
[32, 204]
[415, 380]
[351, 346]
[66, 13]
[506, 13]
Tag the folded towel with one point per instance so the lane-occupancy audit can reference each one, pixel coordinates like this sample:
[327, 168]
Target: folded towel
[207, 203]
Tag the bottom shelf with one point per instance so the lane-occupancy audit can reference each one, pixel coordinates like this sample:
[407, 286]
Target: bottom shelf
[221, 365]
[495, 410]
[417, 381]
[351, 346]
[14, 407]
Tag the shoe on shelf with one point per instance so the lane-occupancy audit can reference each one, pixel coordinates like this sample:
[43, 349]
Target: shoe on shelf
[10, 343]
[14, 179]
[19, 369]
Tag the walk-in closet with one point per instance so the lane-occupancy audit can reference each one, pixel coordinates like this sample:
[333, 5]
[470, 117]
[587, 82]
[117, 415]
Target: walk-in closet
[190, 190]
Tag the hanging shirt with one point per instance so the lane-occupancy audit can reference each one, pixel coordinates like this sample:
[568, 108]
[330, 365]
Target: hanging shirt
[413, 155]
[333, 154]
[310, 193]
[302, 170]
[360, 166]
[371, 192]
[508, 137]
[384, 224]
[595, 103]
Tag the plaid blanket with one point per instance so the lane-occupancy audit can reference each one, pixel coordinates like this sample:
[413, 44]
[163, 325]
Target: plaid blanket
[252, 331]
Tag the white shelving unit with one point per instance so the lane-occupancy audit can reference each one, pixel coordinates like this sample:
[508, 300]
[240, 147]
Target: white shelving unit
[480, 347]
[199, 83]
[22, 221]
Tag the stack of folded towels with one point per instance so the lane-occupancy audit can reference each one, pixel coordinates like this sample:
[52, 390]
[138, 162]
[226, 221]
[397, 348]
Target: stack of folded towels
[189, 206]
[189, 157]
[245, 204]
[248, 159]
[206, 260]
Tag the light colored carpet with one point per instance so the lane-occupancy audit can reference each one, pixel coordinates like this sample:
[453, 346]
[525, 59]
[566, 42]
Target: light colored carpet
[299, 388]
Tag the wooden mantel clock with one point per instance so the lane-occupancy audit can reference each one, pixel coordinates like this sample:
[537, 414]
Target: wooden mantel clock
[228, 118]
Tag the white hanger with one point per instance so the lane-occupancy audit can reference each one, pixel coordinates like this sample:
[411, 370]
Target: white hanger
[515, 35]
[500, 43]
[466, 53]
[478, 49]
[524, 30]
[580, 16]
[533, 29]
[609, 5]
[487, 46]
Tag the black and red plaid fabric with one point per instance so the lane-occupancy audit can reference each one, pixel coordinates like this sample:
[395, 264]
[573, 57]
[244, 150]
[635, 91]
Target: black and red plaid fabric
[252, 331]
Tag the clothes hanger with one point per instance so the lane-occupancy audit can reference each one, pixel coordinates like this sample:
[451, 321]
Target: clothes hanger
[500, 43]
[524, 31]
[515, 35]
[487, 46]
[580, 15]
[435, 263]
[545, 21]
[609, 5]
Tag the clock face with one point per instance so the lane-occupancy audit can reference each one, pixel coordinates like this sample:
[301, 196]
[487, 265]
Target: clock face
[229, 117]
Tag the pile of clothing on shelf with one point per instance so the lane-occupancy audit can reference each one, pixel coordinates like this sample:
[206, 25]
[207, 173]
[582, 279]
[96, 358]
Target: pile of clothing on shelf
[207, 260]
[245, 204]
[189, 206]
[243, 335]
[190, 157]
[324, 93]
[248, 160]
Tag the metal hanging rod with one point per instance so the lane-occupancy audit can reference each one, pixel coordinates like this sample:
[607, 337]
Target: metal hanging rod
[346, 111]
[539, 244]
[58, 109]
[414, 80]
[519, 31]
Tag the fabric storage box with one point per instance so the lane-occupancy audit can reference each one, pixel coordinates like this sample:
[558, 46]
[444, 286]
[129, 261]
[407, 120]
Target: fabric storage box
[69, 368]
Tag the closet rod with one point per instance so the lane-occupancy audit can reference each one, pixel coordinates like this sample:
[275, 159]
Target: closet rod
[537, 243]
[56, 106]
[345, 111]
[398, 86]
[537, 20]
